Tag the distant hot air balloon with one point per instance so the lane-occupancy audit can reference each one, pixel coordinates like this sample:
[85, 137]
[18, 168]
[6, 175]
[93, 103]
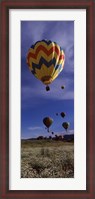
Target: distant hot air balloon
[62, 87]
[45, 60]
[62, 114]
[47, 122]
[57, 114]
[66, 125]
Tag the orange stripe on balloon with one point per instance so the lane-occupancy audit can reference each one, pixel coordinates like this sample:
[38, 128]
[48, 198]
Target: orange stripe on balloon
[61, 57]
[53, 49]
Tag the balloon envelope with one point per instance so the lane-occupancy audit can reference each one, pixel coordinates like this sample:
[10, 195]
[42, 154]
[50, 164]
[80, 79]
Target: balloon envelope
[62, 114]
[45, 60]
[66, 125]
[47, 121]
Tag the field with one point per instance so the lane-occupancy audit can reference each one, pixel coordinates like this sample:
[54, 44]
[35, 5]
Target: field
[47, 159]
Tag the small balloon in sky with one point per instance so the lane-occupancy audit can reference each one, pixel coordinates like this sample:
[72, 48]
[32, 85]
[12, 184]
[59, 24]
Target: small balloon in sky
[62, 114]
[47, 122]
[66, 125]
[57, 114]
[62, 87]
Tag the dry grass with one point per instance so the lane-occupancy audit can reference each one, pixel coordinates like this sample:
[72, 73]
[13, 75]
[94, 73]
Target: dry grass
[47, 159]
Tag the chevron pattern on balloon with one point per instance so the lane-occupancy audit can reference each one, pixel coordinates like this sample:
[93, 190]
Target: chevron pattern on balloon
[47, 42]
[47, 54]
[47, 51]
[45, 60]
[43, 44]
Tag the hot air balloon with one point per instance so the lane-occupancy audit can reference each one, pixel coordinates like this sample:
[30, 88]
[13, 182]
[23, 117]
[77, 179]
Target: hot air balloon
[47, 122]
[62, 87]
[57, 114]
[45, 60]
[66, 125]
[62, 114]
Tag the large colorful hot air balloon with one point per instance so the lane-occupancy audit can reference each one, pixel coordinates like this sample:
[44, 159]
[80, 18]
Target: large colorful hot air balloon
[47, 122]
[45, 60]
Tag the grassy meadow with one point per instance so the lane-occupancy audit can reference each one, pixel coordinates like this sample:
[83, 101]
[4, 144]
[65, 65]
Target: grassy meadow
[47, 159]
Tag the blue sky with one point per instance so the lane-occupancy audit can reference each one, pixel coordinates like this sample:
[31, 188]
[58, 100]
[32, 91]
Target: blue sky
[36, 103]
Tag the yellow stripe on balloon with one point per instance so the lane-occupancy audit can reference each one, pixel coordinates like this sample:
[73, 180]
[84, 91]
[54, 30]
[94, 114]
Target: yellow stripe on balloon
[50, 70]
[30, 66]
[60, 61]
[55, 74]
[44, 71]
[39, 73]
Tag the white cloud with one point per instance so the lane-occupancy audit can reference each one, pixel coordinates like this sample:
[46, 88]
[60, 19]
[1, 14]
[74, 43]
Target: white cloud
[68, 132]
[34, 128]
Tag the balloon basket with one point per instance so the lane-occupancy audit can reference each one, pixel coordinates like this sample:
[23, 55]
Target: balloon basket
[47, 88]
